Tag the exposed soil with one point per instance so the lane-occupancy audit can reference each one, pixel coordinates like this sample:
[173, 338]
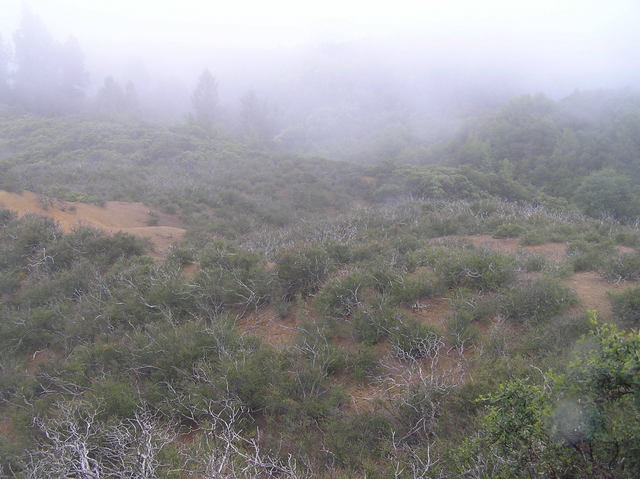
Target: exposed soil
[592, 290]
[434, 312]
[114, 216]
[267, 324]
[7, 429]
[43, 356]
[554, 252]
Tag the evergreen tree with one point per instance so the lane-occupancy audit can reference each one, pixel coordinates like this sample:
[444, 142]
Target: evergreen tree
[253, 118]
[73, 75]
[37, 73]
[4, 70]
[205, 99]
[111, 97]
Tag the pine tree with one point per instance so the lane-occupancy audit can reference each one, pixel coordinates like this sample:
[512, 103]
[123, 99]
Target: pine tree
[205, 99]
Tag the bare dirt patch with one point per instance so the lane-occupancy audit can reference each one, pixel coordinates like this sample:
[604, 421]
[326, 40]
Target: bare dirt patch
[554, 252]
[592, 290]
[267, 324]
[114, 216]
[42, 356]
[7, 429]
[433, 312]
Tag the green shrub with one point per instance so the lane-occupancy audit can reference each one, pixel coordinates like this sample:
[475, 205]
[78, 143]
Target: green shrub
[509, 230]
[302, 271]
[363, 364]
[340, 297]
[626, 305]
[358, 437]
[625, 267]
[474, 268]
[553, 338]
[532, 238]
[409, 289]
[461, 328]
[412, 339]
[536, 300]
[372, 322]
[627, 238]
[585, 256]
[533, 263]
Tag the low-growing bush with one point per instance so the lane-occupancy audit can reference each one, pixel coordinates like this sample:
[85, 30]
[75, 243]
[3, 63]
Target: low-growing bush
[509, 230]
[626, 305]
[473, 268]
[409, 289]
[412, 339]
[536, 300]
[373, 322]
[532, 238]
[532, 263]
[627, 238]
[363, 364]
[340, 297]
[553, 338]
[303, 270]
[585, 256]
[625, 267]
[358, 437]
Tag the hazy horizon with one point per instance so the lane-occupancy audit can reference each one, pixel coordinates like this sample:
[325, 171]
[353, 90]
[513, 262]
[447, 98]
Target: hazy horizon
[541, 47]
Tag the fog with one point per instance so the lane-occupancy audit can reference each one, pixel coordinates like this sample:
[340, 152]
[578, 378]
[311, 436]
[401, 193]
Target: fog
[342, 68]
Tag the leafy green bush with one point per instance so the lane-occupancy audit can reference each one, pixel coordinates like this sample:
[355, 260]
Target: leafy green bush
[303, 270]
[340, 297]
[536, 300]
[358, 437]
[533, 237]
[474, 268]
[372, 322]
[585, 256]
[509, 230]
[363, 364]
[409, 289]
[625, 267]
[626, 305]
[533, 263]
[412, 339]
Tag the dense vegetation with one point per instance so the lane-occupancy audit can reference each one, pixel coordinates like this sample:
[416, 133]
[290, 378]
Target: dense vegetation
[395, 346]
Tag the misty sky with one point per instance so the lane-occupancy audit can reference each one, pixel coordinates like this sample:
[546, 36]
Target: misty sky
[544, 44]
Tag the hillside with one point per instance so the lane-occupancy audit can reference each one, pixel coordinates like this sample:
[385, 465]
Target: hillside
[113, 216]
[302, 317]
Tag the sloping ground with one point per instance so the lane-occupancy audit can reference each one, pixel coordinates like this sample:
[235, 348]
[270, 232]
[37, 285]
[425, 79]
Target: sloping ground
[114, 216]
[592, 290]
[590, 287]
[554, 252]
[267, 324]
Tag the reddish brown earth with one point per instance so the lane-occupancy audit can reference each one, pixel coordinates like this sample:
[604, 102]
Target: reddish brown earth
[592, 290]
[114, 216]
[267, 324]
[555, 252]
[590, 287]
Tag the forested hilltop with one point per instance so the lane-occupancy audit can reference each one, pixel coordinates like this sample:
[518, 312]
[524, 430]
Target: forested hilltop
[466, 309]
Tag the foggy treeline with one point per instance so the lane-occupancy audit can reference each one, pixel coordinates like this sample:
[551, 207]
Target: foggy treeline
[349, 98]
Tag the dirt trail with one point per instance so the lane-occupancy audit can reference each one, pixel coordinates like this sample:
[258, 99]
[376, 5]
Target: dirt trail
[114, 216]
